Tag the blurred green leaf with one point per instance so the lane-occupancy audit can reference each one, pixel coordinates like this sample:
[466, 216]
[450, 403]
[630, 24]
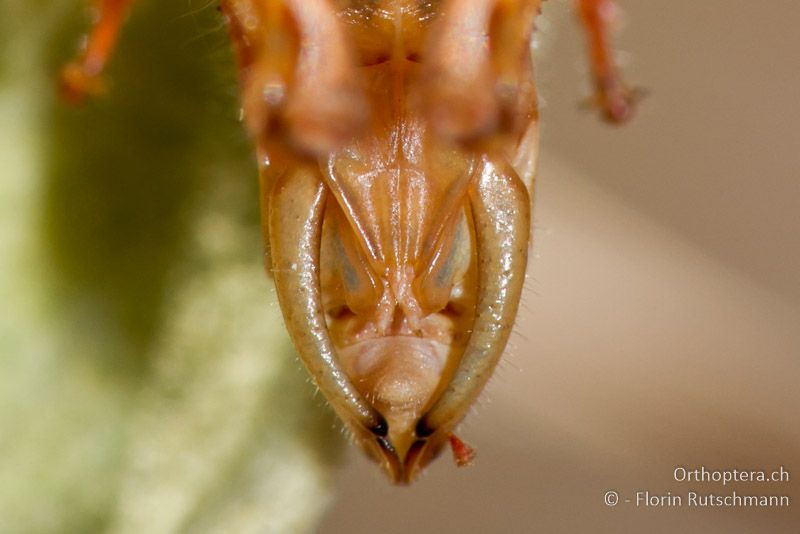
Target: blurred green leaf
[146, 382]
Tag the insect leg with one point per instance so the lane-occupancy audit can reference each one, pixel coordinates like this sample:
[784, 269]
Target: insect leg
[479, 82]
[82, 76]
[613, 97]
[297, 204]
[298, 92]
[300, 86]
[500, 209]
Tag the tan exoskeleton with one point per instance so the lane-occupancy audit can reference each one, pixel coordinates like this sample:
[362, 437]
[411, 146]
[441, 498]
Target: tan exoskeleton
[397, 142]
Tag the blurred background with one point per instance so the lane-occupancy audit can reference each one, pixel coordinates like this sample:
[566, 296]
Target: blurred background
[145, 382]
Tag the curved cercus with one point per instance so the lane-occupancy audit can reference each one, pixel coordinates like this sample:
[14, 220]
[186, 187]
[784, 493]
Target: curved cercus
[297, 205]
[501, 215]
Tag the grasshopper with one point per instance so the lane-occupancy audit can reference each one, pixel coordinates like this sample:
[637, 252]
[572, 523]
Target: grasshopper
[397, 144]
